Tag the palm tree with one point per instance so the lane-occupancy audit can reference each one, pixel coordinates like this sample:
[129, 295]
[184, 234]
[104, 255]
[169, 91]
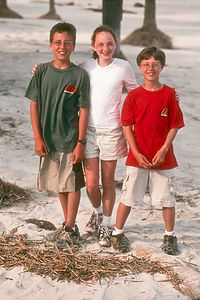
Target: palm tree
[52, 12]
[149, 34]
[6, 12]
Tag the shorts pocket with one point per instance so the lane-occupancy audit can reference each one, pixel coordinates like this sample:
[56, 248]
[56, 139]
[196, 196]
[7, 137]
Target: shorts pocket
[124, 186]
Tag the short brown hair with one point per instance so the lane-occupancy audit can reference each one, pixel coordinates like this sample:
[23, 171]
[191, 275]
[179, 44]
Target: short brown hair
[148, 52]
[63, 27]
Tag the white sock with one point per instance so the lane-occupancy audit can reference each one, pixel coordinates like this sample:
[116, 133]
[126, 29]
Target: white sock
[117, 231]
[106, 221]
[98, 210]
[171, 233]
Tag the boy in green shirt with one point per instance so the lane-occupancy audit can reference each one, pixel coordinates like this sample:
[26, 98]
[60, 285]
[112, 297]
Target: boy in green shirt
[59, 94]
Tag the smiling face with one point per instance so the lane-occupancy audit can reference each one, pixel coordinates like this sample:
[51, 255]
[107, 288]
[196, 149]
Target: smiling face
[62, 46]
[150, 69]
[104, 45]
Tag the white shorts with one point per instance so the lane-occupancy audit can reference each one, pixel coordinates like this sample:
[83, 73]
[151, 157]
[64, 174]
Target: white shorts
[162, 187]
[107, 144]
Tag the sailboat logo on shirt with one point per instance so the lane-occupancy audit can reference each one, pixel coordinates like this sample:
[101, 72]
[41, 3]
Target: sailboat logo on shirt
[164, 112]
[70, 89]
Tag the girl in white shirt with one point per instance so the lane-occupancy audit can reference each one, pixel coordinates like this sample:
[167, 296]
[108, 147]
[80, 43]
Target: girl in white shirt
[105, 139]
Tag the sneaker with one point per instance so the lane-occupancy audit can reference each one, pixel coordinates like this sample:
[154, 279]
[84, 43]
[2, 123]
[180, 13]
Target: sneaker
[120, 242]
[104, 237]
[169, 245]
[68, 236]
[94, 222]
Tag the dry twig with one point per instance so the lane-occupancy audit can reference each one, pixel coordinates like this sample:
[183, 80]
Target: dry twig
[11, 194]
[45, 259]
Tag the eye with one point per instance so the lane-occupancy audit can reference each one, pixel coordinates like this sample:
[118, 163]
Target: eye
[57, 43]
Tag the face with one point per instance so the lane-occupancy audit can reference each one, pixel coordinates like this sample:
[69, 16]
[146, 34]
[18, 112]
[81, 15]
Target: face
[62, 46]
[151, 69]
[104, 46]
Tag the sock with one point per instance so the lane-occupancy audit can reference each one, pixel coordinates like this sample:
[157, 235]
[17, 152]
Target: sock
[171, 233]
[106, 221]
[117, 231]
[98, 210]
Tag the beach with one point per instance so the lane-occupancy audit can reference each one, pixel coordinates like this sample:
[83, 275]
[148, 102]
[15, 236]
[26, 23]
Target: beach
[24, 42]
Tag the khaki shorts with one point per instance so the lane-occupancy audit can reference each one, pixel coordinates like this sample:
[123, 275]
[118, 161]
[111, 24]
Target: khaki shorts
[107, 144]
[162, 187]
[58, 174]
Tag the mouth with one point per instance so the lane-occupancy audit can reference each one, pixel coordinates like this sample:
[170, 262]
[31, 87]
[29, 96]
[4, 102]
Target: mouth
[150, 74]
[62, 52]
[106, 53]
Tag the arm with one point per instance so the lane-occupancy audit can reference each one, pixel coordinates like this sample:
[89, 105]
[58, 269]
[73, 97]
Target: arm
[159, 157]
[40, 146]
[130, 80]
[130, 137]
[78, 153]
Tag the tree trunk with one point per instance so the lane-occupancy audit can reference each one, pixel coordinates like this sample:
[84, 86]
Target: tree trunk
[52, 12]
[52, 7]
[3, 3]
[149, 34]
[6, 12]
[112, 16]
[150, 14]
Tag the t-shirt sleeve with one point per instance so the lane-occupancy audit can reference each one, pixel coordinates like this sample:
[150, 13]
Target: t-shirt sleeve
[32, 89]
[84, 91]
[175, 113]
[130, 80]
[127, 114]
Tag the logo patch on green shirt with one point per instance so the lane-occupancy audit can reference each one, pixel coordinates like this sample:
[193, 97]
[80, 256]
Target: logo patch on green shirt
[70, 89]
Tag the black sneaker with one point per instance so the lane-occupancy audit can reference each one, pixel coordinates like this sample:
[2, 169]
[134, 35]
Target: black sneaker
[94, 222]
[120, 243]
[74, 235]
[169, 245]
[104, 236]
[68, 236]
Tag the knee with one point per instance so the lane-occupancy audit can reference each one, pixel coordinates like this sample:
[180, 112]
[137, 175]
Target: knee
[92, 188]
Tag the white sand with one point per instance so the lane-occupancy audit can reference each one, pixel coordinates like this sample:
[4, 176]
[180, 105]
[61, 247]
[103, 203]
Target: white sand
[25, 42]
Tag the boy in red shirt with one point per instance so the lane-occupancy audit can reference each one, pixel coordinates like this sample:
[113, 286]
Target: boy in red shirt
[151, 117]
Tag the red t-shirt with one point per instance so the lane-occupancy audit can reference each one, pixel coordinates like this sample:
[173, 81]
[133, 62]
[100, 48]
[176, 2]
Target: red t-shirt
[153, 114]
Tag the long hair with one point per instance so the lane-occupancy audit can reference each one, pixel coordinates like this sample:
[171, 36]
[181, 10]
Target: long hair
[102, 28]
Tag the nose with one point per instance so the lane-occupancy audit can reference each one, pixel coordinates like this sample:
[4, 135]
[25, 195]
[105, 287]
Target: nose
[105, 47]
[151, 67]
[62, 44]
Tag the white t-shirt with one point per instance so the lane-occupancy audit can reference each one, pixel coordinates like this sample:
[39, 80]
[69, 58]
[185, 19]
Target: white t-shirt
[106, 84]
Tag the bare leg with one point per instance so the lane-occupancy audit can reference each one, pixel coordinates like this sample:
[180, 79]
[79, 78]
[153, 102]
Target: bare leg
[108, 198]
[70, 203]
[122, 215]
[92, 181]
[169, 217]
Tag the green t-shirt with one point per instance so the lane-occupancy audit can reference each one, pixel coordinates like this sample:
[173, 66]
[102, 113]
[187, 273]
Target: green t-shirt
[59, 94]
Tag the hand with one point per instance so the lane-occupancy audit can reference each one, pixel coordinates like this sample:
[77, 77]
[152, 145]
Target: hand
[78, 153]
[35, 69]
[159, 157]
[40, 147]
[177, 96]
[143, 161]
